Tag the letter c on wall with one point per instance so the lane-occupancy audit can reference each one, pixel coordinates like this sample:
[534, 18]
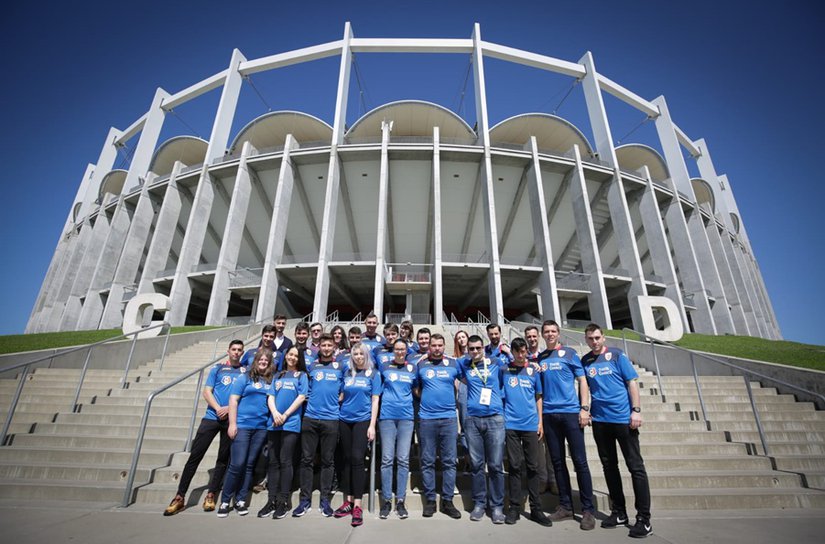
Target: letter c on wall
[137, 308]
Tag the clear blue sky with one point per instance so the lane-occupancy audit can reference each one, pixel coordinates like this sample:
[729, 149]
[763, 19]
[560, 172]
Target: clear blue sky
[746, 76]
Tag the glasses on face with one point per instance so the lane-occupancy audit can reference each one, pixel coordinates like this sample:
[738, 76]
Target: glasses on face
[475, 348]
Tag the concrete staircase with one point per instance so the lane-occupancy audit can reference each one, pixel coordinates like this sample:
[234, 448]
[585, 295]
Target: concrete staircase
[58, 454]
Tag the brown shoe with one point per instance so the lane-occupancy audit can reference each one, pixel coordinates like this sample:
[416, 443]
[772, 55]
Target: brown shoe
[588, 522]
[561, 514]
[175, 506]
[209, 502]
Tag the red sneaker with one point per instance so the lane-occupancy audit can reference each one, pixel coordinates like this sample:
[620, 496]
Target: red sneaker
[357, 517]
[344, 510]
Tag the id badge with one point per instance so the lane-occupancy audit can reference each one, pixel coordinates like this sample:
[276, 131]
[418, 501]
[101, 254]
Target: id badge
[486, 396]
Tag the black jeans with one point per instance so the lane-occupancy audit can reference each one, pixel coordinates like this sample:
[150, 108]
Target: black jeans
[281, 466]
[523, 447]
[200, 444]
[606, 436]
[558, 429]
[354, 448]
[313, 432]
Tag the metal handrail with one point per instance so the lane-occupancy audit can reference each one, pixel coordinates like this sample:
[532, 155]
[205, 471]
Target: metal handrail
[130, 481]
[743, 370]
[25, 366]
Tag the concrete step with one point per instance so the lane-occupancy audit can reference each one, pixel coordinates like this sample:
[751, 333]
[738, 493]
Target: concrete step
[93, 442]
[712, 406]
[63, 490]
[778, 436]
[109, 420]
[67, 456]
[775, 426]
[74, 472]
[800, 463]
[765, 415]
[731, 398]
[709, 480]
[129, 431]
[732, 498]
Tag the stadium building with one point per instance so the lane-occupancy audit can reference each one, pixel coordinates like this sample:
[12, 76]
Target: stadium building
[410, 210]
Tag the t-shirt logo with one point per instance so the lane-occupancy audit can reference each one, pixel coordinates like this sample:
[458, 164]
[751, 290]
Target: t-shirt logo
[409, 368]
[561, 353]
[543, 367]
[591, 372]
[349, 381]
[257, 385]
[368, 373]
[512, 382]
[335, 365]
[430, 373]
[608, 356]
[278, 385]
[226, 380]
[243, 369]
[393, 377]
[529, 371]
[473, 372]
[319, 376]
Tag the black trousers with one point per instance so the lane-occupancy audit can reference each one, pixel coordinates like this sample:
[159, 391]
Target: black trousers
[281, 465]
[606, 436]
[313, 433]
[523, 447]
[200, 444]
[353, 437]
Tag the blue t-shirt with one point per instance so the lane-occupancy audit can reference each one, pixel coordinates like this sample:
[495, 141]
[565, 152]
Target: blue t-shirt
[253, 412]
[521, 385]
[249, 356]
[220, 379]
[358, 392]
[559, 370]
[382, 356]
[437, 382]
[325, 384]
[285, 390]
[397, 398]
[372, 342]
[309, 356]
[481, 376]
[607, 375]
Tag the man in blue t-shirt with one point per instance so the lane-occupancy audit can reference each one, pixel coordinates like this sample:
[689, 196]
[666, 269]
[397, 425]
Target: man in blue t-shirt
[268, 334]
[565, 416]
[437, 379]
[320, 424]
[371, 338]
[616, 408]
[484, 428]
[215, 421]
[383, 355]
[522, 408]
[496, 348]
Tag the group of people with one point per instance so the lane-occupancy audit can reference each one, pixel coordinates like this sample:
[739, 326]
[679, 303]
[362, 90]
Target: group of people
[341, 389]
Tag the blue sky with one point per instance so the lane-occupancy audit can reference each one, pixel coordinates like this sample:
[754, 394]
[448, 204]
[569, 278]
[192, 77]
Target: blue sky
[746, 76]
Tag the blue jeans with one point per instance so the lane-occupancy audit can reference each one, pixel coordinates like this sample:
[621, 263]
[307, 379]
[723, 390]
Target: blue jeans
[396, 436]
[440, 434]
[485, 439]
[246, 447]
[559, 427]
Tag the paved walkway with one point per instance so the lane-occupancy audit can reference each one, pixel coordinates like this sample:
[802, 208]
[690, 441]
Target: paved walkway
[89, 524]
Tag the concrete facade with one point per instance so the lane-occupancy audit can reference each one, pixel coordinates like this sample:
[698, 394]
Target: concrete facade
[409, 209]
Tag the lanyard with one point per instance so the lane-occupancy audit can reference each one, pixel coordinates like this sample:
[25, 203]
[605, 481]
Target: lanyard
[486, 373]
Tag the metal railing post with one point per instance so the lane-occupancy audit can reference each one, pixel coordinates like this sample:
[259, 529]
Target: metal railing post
[371, 498]
[73, 407]
[761, 430]
[165, 346]
[699, 391]
[130, 481]
[194, 411]
[624, 343]
[13, 406]
[129, 360]
[658, 373]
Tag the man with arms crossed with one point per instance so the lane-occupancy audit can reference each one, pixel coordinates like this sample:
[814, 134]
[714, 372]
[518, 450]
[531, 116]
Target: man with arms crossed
[616, 409]
[215, 421]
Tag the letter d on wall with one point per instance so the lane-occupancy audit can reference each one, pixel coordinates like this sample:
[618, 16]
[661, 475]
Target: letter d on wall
[138, 307]
[673, 329]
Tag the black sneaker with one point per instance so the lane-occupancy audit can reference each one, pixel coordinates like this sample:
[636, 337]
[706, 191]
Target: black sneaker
[614, 520]
[512, 516]
[241, 508]
[386, 508]
[281, 510]
[267, 510]
[223, 510]
[429, 509]
[447, 507]
[641, 529]
[401, 510]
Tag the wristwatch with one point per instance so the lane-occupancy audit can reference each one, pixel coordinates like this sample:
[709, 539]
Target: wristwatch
[637, 409]
[585, 407]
